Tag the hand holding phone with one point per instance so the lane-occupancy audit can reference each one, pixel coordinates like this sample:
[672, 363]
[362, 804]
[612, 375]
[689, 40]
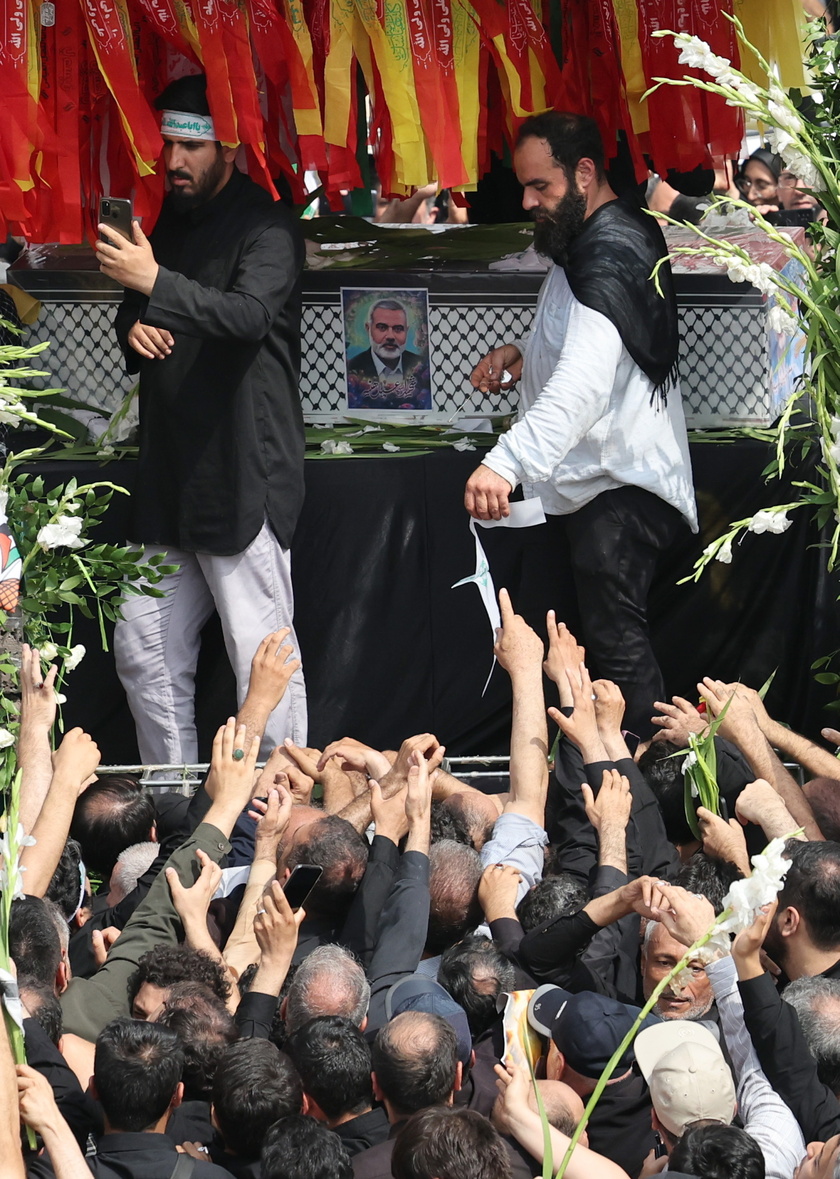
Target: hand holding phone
[300, 884]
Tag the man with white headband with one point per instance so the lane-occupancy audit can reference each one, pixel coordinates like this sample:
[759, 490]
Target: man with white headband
[211, 320]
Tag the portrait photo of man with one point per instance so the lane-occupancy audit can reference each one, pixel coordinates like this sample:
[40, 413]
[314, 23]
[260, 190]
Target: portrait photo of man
[386, 337]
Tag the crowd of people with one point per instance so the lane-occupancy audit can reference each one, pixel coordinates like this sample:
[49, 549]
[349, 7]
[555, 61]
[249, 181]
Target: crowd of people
[185, 1015]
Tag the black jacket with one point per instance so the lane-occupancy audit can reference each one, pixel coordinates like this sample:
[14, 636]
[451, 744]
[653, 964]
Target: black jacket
[132, 1156]
[221, 428]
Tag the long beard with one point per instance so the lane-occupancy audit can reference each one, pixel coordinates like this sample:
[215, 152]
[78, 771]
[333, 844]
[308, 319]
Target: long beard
[204, 189]
[554, 231]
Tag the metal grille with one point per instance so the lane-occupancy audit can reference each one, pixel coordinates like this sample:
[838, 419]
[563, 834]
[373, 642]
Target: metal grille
[83, 357]
[723, 354]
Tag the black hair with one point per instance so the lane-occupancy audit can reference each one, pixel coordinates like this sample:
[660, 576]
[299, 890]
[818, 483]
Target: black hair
[66, 884]
[110, 815]
[709, 877]
[449, 1143]
[454, 910]
[571, 138]
[205, 1027]
[166, 965]
[137, 1067]
[717, 1152]
[298, 1147]
[341, 851]
[333, 1060]
[277, 1032]
[187, 94]
[550, 898]
[812, 886]
[475, 972]
[663, 774]
[34, 945]
[446, 824]
[44, 1006]
[253, 1087]
[415, 1059]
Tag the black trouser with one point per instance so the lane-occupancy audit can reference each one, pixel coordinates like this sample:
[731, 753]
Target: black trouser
[614, 544]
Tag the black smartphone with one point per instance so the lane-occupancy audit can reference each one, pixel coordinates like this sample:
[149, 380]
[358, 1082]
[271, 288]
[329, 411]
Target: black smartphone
[117, 214]
[300, 884]
[660, 1149]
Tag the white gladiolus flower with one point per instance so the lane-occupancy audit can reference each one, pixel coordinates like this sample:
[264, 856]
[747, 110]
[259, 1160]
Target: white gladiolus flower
[75, 657]
[724, 553]
[4, 499]
[776, 522]
[779, 319]
[6, 739]
[832, 452]
[332, 447]
[736, 269]
[11, 879]
[762, 276]
[803, 168]
[390, 447]
[63, 531]
[48, 651]
[746, 897]
[463, 444]
[690, 761]
[785, 117]
[60, 698]
[835, 427]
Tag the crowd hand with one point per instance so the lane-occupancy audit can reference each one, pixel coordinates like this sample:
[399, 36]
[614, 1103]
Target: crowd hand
[684, 914]
[276, 930]
[746, 948]
[751, 695]
[609, 708]
[724, 839]
[76, 759]
[132, 264]
[272, 817]
[36, 1099]
[756, 800]
[354, 755]
[390, 818]
[582, 726]
[232, 778]
[425, 743]
[418, 798]
[653, 1165]
[487, 494]
[151, 342]
[514, 1086]
[282, 769]
[678, 719]
[271, 669]
[101, 941]
[832, 736]
[309, 761]
[644, 896]
[518, 648]
[739, 714]
[191, 904]
[612, 806]
[487, 376]
[37, 694]
[498, 890]
[564, 652]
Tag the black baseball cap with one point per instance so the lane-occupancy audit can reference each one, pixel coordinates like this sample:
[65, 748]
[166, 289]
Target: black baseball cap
[586, 1027]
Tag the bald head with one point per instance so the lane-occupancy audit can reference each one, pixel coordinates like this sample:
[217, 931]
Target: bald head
[415, 1063]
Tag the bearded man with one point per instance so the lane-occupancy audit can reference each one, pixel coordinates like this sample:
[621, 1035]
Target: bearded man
[211, 321]
[600, 436]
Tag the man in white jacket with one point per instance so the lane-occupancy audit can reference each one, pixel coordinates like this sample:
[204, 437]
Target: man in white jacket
[600, 436]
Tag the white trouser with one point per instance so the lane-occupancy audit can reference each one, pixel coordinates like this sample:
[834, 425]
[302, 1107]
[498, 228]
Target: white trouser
[156, 643]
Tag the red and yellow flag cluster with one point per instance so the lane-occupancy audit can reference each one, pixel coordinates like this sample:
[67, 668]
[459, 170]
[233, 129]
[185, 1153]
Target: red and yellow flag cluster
[436, 84]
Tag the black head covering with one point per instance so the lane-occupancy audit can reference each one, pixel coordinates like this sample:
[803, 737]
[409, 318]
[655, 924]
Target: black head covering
[609, 269]
[187, 94]
[769, 159]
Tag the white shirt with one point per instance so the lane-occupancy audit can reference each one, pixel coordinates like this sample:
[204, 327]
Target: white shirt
[382, 368]
[586, 420]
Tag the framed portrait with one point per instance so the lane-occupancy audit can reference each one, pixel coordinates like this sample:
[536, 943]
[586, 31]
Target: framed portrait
[386, 349]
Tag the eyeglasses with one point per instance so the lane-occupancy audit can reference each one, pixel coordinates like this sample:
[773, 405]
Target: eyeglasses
[788, 180]
[744, 184]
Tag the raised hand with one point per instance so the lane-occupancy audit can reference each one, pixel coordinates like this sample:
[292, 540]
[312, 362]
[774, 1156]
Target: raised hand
[724, 840]
[564, 654]
[677, 720]
[498, 890]
[272, 818]
[191, 904]
[272, 667]
[37, 694]
[612, 806]
[76, 759]
[519, 649]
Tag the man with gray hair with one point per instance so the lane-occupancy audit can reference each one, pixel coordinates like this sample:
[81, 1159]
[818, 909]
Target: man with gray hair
[329, 981]
[388, 375]
[816, 1002]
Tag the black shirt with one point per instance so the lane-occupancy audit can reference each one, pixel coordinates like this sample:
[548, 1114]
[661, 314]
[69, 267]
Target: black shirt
[365, 1130]
[132, 1156]
[221, 428]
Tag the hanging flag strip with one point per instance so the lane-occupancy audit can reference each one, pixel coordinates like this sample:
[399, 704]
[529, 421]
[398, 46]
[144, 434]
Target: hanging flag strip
[431, 88]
